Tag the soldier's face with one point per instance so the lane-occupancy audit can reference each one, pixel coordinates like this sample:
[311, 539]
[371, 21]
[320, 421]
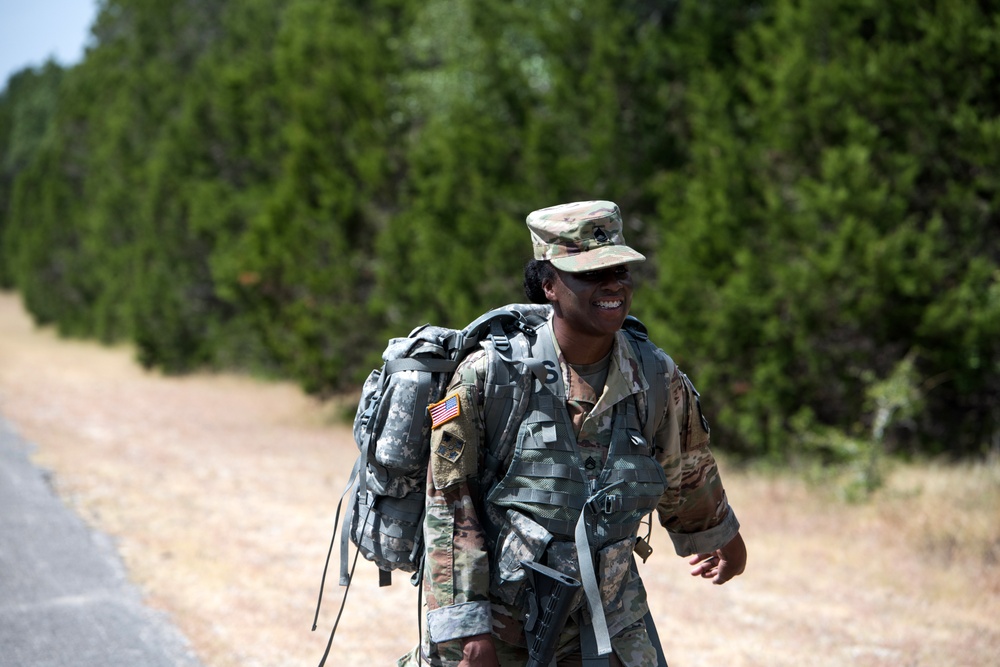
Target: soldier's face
[592, 302]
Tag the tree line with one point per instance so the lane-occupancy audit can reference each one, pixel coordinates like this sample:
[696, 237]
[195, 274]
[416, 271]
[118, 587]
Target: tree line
[277, 186]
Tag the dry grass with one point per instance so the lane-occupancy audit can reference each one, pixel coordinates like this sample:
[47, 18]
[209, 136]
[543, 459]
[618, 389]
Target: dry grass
[221, 490]
[951, 516]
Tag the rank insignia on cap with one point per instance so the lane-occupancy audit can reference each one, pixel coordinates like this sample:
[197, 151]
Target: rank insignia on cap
[450, 447]
[445, 411]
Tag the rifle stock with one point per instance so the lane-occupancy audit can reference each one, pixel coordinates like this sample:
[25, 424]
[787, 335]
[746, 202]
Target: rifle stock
[550, 598]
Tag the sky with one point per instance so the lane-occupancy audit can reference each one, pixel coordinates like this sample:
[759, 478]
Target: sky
[33, 30]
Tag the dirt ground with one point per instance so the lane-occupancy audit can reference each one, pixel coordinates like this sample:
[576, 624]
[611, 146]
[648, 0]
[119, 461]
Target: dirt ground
[221, 490]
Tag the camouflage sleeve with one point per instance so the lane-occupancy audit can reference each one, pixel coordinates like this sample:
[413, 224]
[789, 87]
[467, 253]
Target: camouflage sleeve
[456, 569]
[694, 509]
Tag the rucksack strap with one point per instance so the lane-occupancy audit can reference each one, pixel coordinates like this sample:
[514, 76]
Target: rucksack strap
[508, 390]
[345, 575]
[418, 364]
[588, 574]
[656, 397]
[425, 384]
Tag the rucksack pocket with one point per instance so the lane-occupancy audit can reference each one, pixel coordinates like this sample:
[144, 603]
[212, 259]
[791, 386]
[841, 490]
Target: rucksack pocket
[387, 530]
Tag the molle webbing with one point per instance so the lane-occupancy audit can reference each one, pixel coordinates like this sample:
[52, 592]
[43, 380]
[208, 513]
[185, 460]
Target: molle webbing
[547, 480]
[544, 405]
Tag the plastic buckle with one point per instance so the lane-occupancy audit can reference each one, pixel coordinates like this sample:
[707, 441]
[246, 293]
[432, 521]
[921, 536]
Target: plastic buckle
[612, 503]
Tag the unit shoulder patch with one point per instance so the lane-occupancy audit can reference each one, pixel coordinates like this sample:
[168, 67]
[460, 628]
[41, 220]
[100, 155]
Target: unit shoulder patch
[449, 446]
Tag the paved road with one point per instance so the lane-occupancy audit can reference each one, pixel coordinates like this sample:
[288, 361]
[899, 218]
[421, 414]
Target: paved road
[64, 595]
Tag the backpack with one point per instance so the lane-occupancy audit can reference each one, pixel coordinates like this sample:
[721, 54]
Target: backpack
[386, 489]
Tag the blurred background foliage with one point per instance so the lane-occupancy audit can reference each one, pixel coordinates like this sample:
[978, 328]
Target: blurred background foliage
[276, 186]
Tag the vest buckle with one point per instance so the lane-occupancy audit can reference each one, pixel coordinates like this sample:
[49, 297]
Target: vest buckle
[612, 503]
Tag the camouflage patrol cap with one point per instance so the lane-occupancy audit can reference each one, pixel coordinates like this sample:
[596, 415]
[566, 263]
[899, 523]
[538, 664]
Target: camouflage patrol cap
[582, 236]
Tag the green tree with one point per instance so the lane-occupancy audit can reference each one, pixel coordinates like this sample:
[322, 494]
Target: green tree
[511, 107]
[278, 186]
[43, 247]
[209, 173]
[301, 268]
[77, 211]
[837, 216]
[447, 249]
[27, 105]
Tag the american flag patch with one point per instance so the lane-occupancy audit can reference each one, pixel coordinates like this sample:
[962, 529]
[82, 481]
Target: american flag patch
[445, 411]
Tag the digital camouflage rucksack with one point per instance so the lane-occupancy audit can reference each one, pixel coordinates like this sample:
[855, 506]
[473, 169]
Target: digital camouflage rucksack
[386, 489]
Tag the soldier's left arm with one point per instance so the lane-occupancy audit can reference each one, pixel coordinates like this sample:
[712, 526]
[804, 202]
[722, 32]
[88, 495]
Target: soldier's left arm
[694, 509]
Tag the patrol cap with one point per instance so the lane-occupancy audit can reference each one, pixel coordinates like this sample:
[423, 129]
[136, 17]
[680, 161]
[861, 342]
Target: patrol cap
[581, 236]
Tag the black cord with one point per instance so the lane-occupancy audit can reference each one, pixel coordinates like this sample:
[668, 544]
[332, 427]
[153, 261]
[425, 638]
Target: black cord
[329, 553]
[343, 603]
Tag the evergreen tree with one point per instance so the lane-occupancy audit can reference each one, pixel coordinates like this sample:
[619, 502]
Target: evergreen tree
[513, 107]
[301, 267]
[78, 207]
[833, 223]
[450, 247]
[210, 173]
[43, 246]
[27, 106]
[278, 186]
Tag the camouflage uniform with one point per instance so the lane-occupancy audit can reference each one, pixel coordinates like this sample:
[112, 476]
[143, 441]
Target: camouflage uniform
[693, 508]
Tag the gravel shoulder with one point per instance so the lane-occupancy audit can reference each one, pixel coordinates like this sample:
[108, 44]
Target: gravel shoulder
[219, 492]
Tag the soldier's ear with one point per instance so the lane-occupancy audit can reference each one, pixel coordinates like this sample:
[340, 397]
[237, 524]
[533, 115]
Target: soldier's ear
[549, 287]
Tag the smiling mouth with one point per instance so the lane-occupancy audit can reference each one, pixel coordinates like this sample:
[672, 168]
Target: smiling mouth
[610, 305]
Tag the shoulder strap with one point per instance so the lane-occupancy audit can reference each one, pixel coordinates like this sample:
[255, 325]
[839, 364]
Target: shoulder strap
[502, 325]
[652, 368]
[512, 369]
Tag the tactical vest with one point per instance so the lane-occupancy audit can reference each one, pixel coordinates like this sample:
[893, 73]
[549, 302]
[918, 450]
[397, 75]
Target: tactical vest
[546, 508]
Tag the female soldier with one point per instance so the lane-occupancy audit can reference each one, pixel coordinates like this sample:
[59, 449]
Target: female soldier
[573, 490]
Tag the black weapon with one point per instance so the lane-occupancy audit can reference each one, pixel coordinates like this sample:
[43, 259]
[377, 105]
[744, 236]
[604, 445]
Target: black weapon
[550, 597]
